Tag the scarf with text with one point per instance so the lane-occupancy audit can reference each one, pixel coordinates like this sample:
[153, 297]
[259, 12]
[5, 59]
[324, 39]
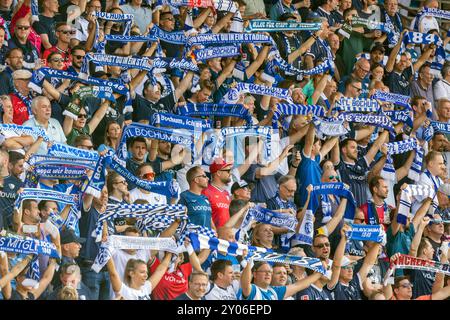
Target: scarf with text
[266, 216]
[332, 127]
[400, 116]
[370, 119]
[227, 38]
[430, 12]
[398, 147]
[409, 262]
[216, 52]
[174, 136]
[124, 39]
[357, 105]
[216, 109]
[115, 17]
[410, 193]
[42, 194]
[232, 96]
[395, 98]
[178, 37]
[257, 25]
[64, 150]
[28, 246]
[264, 132]
[10, 129]
[176, 121]
[441, 127]
[362, 232]
[286, 109]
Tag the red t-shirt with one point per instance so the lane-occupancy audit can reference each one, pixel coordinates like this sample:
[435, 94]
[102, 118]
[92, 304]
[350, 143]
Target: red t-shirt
[220, 204]
[380, 212]
[20, 110]
[172, 284]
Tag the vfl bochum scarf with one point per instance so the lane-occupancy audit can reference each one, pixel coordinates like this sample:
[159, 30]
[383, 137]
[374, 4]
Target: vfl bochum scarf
[232, 96]
[356, 105]
[399, 147]
[400, 116]
[216, 109]
[8, 129]
[216, 52]
[421, 38]
[176, 121]
[227, 38]
[430, 12]
[63, 150]
[287, 109]
[124, 210]
[256, 25]
[370, 119]
[131, 243]
[266, 216]
[328, 127]
[362, 232]
[175, 136]
[409, 262]
[34, 10]
[441, 126]
[70, 160]
[395, 98]
[42, 194]
[256, 131]
[411, 192]
[28, 246]
[39, 75]
[170, 37]
[60, 171]
[123, 38]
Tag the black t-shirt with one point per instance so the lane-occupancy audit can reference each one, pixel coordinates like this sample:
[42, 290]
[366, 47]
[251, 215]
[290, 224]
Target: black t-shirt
[286, 45]
[6, 81]
[47, 26]
[7, 15]
[172, 50]
[7, 198]
[399, 83]
[144, 109]
[87, 224]
[352, 291]
[355, 175]
[16, 296]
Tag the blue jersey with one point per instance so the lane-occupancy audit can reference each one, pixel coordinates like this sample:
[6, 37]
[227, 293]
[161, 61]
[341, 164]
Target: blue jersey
[198, 207]
[352, 291]
[271, 293]
[313, 293]
[308, 172]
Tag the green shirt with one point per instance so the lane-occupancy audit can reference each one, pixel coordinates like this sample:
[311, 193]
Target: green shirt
[75, 133]
[401, 242]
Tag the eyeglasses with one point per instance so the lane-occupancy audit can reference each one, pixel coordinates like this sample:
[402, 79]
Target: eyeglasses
[366, 71]
[121, 182]
[23, 27]
[149, 175]
[170, 19]
[359, 89]
[82, 116]
[406, 285]
[67, 31]
[78, 56]
[201, 176]
[334, 177]
[323, 245]
[57, 60]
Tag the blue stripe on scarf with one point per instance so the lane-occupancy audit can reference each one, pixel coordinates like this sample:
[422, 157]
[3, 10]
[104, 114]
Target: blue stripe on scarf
[363, 232]
[273, 218]
[256, 25]
[28, 246]
[216, 109]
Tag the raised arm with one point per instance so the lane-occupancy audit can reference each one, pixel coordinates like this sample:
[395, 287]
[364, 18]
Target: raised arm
[46, 278]
[254, 66]
[424, 57]
[418, 237]
[309, 140]
[338, 255]
[402, 172]
[116, 282]
[327, 146]
[421, 213]
[222, 22]
[98, 116]
[393, 56]
[184, 85]
[376, 146]
[246, 278]
[319, 88]
[6, 279]
[270, 169]
[201, 18]
[160, 270]
[337, 217]
[237, 216]
[302, 284]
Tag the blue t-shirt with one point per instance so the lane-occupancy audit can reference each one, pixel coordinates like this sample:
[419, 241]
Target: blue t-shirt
[313, 293]
[271, 293]
[308, 172]
[198, 207]
[352, 291]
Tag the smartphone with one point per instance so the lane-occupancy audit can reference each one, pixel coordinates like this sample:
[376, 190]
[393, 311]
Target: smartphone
[29, 228]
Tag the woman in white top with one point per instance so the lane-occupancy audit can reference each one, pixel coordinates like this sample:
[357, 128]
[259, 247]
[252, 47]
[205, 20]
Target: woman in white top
[137, 285]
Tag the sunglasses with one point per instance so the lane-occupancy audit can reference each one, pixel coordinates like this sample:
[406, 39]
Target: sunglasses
[23, 27]
[82, 116]
[201, 176]
[78, 56]
[57, 60]
[350, 266]
[359, 89]
[334, 177]
[323, 245]
[148, 176]
[67, 31]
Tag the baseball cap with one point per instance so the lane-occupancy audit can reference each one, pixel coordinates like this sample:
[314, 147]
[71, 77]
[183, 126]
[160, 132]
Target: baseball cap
[218, 164]
[21, 74]
[238, 185]
[68, 236]
[379, 47]
[346, 261]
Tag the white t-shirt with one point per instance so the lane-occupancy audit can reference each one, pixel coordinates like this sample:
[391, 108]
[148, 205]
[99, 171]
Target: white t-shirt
[218, 293]
[441, 90]
[426, 24]
[152, 198]
[132, 294]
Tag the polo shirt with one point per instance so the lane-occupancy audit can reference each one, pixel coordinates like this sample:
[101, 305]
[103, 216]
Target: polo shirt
[53, 131]
[220, 204]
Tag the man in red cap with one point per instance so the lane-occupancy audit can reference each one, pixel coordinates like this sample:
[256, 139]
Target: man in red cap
[216, 192]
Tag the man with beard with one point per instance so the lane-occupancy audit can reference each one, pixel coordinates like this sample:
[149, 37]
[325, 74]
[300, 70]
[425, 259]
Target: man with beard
[14, 61]
[376, 211]
[20, 40]
[216, 192]
[198, 206]
[441, 144]
[353, 170]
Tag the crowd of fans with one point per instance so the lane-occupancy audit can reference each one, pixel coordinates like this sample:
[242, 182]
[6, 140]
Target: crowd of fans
[217, 192]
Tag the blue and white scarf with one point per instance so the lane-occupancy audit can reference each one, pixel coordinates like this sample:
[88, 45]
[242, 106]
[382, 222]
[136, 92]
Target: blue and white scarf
[100, 48]
[216, 109]
[176, 121]
[329, 127]
[392, 34]
[266, 216]
[227, 38]
[370, 119]
[264, 132]
[64, 150]
[441, 126]
[70, 160]
[416, 167]
[287, 109]
[34, 10]
[25, 99]
[116, 17]
[399, 147]
[356, 105]
[430, 12]
[9, 129]
[39, 75]
[418, 193]
[170, 37]
[400, 116]
[124, 210]
[257, 25]
[28, 246]
[232, 96]
[216, 52]
[110, 60]
[174, 136]
[362, 232]
[421, 38]
[395, 98]
[54, 172]
[42, 194]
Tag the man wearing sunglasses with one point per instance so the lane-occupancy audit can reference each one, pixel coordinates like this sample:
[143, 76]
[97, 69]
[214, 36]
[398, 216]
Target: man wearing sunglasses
[20, 40]
[402, 290]
[64, 33]
[198, 206]
[145, 172]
